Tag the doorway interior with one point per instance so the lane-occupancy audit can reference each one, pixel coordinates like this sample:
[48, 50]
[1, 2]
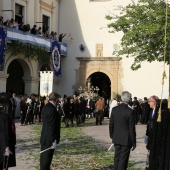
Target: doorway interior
[15, 83]
[102, 81]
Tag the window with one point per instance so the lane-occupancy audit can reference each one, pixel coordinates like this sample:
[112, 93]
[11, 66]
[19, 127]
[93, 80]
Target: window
[46, 23]
[19, 13]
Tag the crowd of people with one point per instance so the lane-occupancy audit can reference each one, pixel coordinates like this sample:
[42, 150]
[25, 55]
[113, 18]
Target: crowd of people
[44, 32]
[123, 119]
[73, 109]
[124, 115]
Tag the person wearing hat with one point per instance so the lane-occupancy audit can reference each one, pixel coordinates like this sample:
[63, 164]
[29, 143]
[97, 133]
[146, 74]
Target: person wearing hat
[50, 134]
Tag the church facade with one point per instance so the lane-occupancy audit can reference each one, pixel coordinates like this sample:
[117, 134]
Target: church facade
[89, 50]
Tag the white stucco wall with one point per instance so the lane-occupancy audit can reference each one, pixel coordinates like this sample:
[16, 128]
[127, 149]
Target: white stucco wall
[83, 19]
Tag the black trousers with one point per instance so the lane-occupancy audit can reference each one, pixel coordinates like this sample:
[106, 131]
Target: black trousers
[46, 158]
[121, 157]
[99, 117]
[23, 116]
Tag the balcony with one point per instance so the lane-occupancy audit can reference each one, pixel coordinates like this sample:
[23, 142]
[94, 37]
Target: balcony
[26, 37]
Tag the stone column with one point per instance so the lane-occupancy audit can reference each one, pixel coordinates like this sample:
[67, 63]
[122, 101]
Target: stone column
[3, 81]
[31, 85]
[114, 81]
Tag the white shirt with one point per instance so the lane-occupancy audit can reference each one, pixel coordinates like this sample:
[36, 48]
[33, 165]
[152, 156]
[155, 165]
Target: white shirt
[113, 104]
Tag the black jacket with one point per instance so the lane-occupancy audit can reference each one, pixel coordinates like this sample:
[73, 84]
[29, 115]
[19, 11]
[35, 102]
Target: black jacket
[90, 104]
[122, 126]
[7, 138]
[159, 141]
[51, 125]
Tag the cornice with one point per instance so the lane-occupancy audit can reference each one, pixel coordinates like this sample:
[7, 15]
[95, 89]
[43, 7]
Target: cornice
[99, 58]
[26, 1]
[47, 6]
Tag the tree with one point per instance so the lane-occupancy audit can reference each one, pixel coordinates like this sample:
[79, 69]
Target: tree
[143, 25]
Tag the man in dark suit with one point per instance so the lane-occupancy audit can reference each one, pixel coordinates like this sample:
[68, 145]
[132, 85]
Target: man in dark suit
[145, 111]
[89, 107]
[153, 115]
[136, 109]
[151, 125]
[50, 135]
[122, 131]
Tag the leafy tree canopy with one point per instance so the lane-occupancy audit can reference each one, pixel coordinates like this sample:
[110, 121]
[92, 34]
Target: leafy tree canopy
[143, 25]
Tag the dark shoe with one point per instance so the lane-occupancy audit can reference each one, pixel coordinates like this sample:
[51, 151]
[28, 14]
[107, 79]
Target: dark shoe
[100, 123]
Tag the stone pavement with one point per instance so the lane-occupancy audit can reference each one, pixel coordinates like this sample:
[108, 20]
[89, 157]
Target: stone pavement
[101, 134]
[27, 148]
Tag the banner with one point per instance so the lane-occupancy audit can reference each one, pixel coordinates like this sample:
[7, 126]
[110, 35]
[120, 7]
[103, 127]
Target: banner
[63, 49]
[46, 83]
[26, 37]
[56, 58]
[2, 47]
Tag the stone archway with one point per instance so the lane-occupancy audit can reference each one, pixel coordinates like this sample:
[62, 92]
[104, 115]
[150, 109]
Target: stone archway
[106, 65]
[30, 73]
[18, 73]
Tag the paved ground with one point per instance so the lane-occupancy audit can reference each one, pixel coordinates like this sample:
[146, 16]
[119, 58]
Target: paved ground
[25, 152]
[101, 134]
[24, 147]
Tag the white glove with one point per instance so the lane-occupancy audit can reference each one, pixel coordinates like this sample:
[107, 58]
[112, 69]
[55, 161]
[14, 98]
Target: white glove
[146, 139]
[7, 153]
[54, 144]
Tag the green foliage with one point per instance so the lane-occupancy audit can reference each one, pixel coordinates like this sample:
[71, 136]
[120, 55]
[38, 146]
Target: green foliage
[30, 51]
[118, 97]
[143, 25]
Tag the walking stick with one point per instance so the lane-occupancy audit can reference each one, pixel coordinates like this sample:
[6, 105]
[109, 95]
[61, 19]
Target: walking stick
[64, 142]
[110, 147]
[46, 150]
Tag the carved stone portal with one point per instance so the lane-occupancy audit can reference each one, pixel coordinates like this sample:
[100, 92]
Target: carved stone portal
[107, 65]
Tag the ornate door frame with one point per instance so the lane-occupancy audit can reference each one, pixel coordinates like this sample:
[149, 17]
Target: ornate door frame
[107, 65]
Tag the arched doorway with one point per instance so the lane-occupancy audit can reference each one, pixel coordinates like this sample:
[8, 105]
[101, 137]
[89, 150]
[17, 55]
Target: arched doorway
[107, 65]
[102, 81]
[15, 82]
